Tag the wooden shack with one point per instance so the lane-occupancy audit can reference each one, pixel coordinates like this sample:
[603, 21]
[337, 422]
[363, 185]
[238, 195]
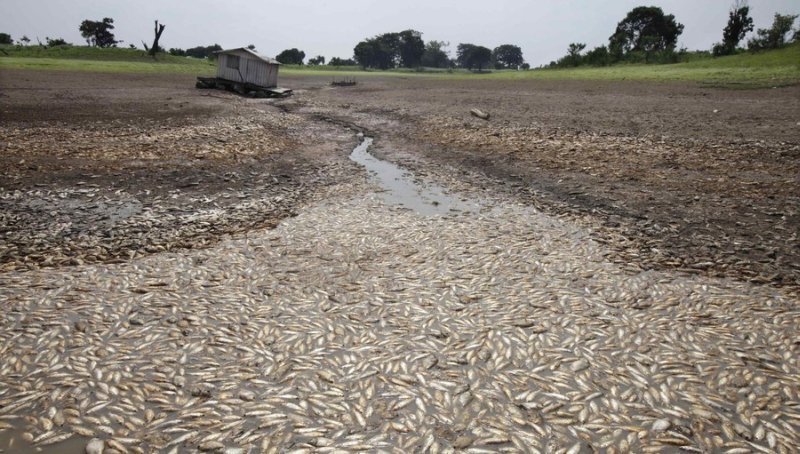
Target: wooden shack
[246, 72]
[245, 66]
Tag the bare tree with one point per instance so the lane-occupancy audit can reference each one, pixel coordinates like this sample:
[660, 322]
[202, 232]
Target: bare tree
[159, 29]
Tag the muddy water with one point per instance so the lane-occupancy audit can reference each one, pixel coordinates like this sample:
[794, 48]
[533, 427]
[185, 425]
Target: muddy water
[400, 187]
[12, 441]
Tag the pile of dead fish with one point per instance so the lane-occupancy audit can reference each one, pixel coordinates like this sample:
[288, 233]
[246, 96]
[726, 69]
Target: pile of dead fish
[359, 327]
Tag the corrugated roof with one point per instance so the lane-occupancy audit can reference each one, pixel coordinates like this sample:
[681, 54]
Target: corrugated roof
[251, 52]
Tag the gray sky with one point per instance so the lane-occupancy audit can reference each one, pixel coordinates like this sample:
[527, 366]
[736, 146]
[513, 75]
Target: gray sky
[331, 28]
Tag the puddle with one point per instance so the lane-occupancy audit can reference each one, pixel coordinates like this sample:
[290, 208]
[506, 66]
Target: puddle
[400, 187]
[11, 441]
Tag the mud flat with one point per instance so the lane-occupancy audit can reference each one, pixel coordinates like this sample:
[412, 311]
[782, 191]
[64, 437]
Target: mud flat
[692, 177]
[347, 319]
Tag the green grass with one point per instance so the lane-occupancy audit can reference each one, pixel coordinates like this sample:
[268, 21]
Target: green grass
[92, 59]
[765, 69]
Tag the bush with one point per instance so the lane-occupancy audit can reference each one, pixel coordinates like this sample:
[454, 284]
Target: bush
[52, 42]
[203, 51]
[336, 61]
[599, 56]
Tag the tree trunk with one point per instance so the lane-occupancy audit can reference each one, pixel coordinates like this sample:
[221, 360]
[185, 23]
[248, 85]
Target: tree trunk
[159, 29]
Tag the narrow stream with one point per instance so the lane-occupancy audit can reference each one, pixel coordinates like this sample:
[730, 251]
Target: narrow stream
[400, 187]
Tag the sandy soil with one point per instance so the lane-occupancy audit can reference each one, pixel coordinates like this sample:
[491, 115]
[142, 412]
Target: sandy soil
[681, 176]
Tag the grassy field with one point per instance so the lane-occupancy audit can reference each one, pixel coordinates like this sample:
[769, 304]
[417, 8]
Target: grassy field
[766, 69]
[92, 59]
[775, 68]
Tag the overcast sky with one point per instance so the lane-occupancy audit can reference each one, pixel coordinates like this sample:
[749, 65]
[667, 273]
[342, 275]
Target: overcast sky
[331, 28]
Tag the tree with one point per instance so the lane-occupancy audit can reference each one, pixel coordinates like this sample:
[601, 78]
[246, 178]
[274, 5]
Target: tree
[390, 50]
[386, 50]
[645, 29]
[5, 38]
[435, 56]
[775, 36]
[507, 56]
[155, 48]
[203, 51]
[481, 56]
[25, 40]
[599, 56]
[336, 61]
[574, 58]
[463, 53]
[410, 48]
[574, 53]
[51, 42]
[739, 24]
[380, 52]
[470, 56]
[291, 56]
[98, 33]
[318, 60]
[366, 53]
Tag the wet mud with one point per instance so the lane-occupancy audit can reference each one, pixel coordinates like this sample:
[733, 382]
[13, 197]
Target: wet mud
[399, 186]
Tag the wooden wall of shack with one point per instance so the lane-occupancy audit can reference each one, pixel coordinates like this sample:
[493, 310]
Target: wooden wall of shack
[251, 69]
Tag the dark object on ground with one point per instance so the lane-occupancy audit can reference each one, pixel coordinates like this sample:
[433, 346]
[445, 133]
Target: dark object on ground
[243, 88]
[344, 83]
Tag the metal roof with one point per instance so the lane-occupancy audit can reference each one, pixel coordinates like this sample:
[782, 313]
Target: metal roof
[251, 52]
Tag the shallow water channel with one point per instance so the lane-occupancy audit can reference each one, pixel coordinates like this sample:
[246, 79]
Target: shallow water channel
[400, 187]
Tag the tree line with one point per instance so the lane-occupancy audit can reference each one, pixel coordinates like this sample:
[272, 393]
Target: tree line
[647, 35]
[407, 49]
[196, 52]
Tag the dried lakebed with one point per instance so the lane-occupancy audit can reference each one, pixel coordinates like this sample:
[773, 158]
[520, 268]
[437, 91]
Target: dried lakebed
[359, 325]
